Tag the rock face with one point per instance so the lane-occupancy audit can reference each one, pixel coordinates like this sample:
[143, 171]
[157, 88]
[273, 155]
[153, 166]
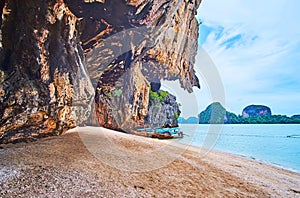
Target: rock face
[59, 56]
[46, 88]
[130, 45]
[256, 110]
[215, 113]
[150, 40]
[163, 110]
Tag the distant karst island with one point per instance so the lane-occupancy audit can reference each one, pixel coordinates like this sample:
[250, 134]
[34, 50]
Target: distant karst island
[215, 113]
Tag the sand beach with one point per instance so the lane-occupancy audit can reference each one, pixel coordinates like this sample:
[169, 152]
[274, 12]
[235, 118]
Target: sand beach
[97, 162]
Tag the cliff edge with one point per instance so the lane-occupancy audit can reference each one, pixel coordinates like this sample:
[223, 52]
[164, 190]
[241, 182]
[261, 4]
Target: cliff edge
[63, 62]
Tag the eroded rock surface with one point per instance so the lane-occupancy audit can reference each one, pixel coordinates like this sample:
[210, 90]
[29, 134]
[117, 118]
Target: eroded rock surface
[57, 54]
[163, 110]
[46, 88]
[154, 39]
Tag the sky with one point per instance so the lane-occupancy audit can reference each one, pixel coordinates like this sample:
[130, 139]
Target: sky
[255, 48]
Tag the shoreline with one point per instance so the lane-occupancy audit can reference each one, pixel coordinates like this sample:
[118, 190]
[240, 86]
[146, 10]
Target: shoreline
[251, 158]
[267, 163]
[258, 160]
[251, 151]
[66, 166]
[247, 158]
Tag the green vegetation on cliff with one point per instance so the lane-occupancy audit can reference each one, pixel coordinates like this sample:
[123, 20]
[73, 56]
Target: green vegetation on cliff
[163, 110]
[158, 96]
[215, 113]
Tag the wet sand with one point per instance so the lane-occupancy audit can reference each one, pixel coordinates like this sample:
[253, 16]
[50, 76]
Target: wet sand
[96, 162]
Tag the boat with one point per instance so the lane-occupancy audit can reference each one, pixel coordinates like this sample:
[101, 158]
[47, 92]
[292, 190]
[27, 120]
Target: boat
[293, 136]
[159, 133]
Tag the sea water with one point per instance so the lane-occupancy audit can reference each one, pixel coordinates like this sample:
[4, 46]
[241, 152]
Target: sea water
[277, 144]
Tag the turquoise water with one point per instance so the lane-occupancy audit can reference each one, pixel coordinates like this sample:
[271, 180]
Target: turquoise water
[266, 143]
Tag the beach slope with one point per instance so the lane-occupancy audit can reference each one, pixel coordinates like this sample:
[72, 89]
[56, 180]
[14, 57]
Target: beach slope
[94, 162]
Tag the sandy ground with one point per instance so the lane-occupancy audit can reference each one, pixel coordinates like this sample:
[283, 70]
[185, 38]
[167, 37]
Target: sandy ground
[96, 162]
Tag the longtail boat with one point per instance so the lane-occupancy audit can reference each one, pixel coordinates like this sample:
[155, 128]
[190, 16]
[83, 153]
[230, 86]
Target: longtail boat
[160, 133]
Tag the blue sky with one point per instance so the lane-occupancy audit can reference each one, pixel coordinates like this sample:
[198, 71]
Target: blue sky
[255, 46]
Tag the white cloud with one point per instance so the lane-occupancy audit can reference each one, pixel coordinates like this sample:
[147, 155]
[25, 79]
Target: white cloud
[255, 46]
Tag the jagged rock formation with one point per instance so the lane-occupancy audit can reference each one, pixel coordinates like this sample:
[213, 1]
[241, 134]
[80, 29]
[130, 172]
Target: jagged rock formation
[215, 113]
[124, 44]
[46, 88]
[130, 45]
[256, 110]
[163, 110]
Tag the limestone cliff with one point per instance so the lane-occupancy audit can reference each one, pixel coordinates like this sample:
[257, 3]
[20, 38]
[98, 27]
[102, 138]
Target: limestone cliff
[256, 110]
[59, 56]
[46, 88]
[150, 41]
[163, 110]
[215, 113]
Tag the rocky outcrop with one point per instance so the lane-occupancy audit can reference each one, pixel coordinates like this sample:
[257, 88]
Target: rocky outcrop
[215, 113]
[130, 45]
[57, 54]
[163, 110]
[256, 110]
[46, 89]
